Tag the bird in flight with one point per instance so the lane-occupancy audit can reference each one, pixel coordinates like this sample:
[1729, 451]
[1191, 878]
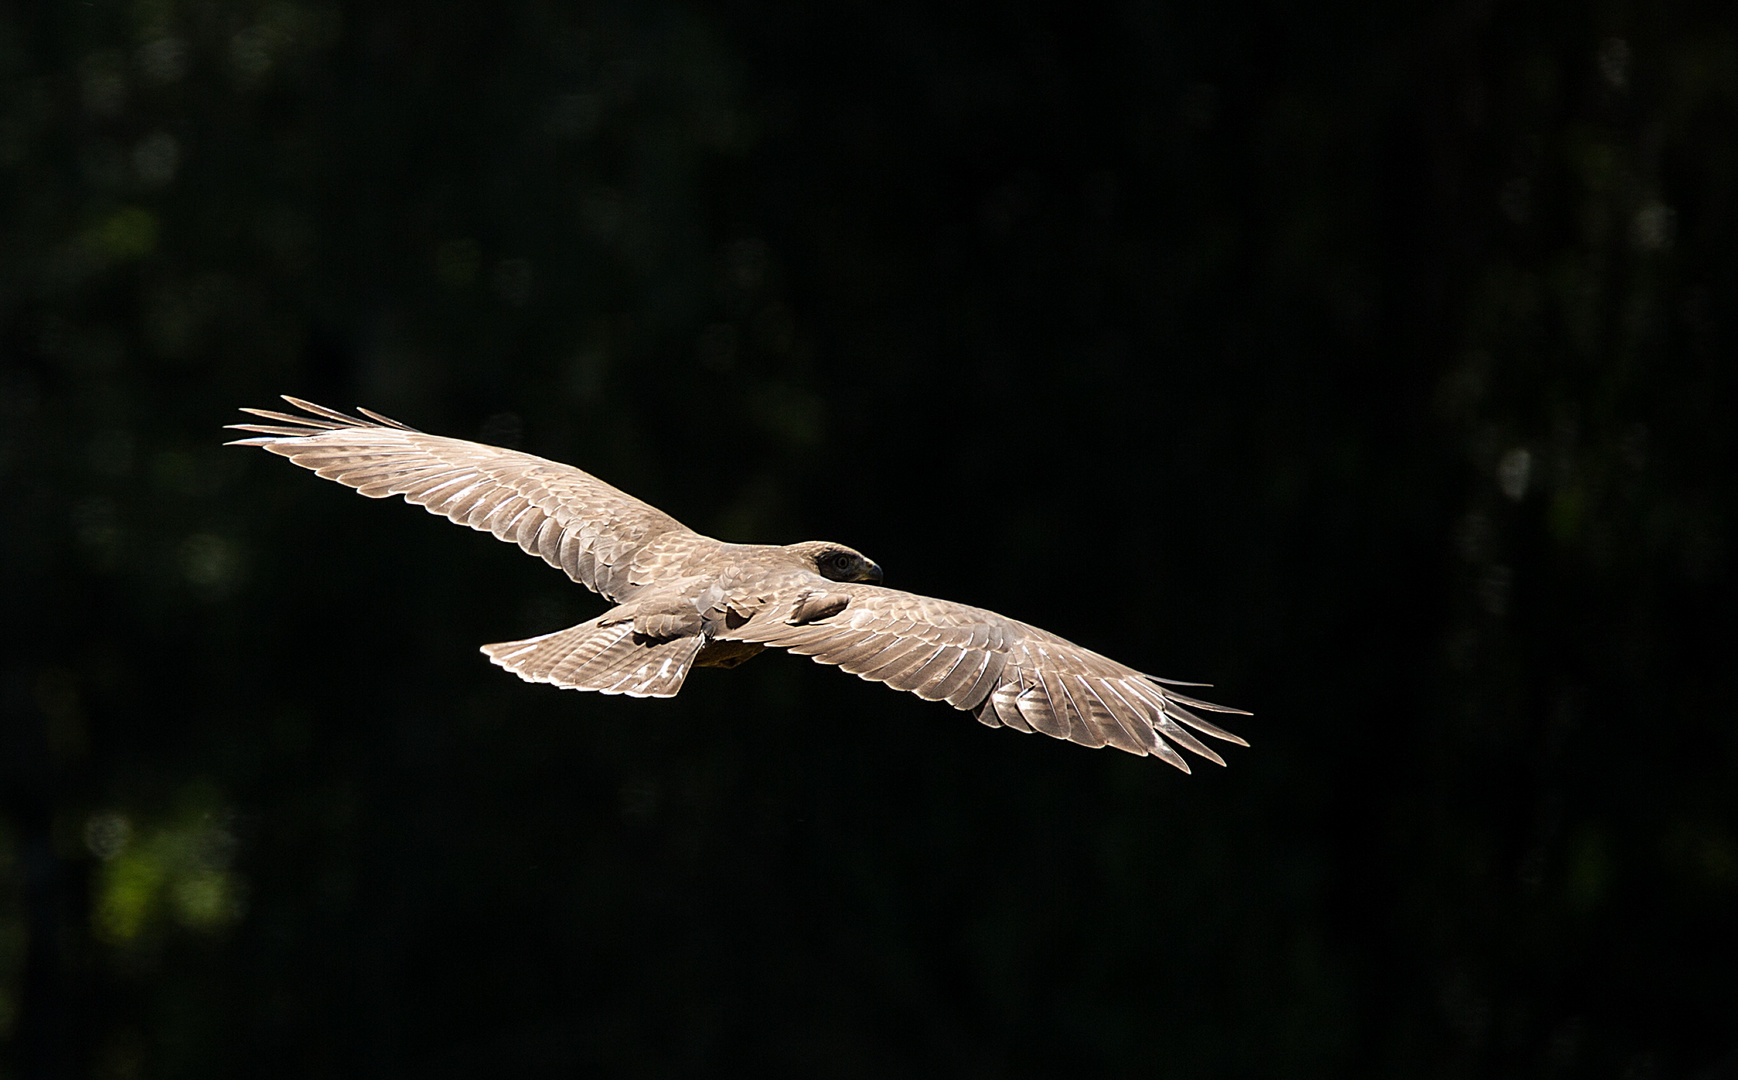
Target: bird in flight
[683, 600]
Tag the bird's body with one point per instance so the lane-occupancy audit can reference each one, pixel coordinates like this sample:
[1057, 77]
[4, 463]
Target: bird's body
[683, 600]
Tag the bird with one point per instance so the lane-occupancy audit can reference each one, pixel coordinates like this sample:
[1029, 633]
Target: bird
[683, 600]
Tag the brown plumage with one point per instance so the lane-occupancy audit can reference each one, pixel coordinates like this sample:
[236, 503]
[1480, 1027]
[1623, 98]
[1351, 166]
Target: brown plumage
[684, 600]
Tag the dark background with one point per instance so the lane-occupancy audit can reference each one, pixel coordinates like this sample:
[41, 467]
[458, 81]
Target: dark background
[1374, 362]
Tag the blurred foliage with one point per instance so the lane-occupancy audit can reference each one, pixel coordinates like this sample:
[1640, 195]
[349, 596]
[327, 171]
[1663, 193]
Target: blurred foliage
[1376, 362]
[178, 872]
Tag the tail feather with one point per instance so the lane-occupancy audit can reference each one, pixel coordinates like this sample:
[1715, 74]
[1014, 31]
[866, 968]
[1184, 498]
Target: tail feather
[609, 659]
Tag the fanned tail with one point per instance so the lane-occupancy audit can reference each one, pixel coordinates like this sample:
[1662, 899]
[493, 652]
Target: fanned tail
[609, 659]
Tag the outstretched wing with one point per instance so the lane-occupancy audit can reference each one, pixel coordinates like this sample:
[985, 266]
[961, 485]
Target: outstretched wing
[1003, 672]
[575, 521]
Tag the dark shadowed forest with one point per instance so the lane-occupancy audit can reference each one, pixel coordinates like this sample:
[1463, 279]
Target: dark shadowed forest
[1372, 362]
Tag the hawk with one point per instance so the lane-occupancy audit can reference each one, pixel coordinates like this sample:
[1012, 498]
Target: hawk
[683, 600]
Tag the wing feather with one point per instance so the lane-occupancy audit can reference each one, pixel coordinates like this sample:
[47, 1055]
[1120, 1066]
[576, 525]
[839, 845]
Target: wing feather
[1181, 737]
[506, 516]
[1006, 700]
[482, 505]
[918, 675]
[811, 641]
[1169, 712]
[926, 680]
[421, 488]
[1107, 724]
[549, 546]
[1135, 718]
[831, 645]
[1039, 712]
[1000, 710]
[962, 677]
[1005, 673]
[995, 664]
[1081, 729]
[854, 657]
[1206, 727]
[863, 659]
[898, 658]
[571, 519]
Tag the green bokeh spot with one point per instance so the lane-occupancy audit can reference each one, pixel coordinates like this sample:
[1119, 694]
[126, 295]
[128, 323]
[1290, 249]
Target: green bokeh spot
[129, 233]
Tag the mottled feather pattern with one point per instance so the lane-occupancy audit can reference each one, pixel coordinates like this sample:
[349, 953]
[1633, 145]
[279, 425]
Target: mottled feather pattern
[682, 596]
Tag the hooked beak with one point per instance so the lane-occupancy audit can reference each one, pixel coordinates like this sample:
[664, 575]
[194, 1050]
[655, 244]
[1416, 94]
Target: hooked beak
[873, 574]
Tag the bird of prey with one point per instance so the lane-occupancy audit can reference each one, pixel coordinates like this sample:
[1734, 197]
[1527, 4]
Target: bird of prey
[683, 600]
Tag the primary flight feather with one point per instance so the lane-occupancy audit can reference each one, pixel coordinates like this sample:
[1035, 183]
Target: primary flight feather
[683, 600]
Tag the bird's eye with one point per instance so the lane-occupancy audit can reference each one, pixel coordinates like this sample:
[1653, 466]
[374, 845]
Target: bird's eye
[841, 561]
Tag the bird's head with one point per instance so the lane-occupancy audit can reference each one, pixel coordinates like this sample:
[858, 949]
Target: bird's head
[836, 562]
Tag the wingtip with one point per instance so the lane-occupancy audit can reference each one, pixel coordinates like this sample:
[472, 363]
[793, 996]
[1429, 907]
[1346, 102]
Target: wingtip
[386, 420]
[1185, 699]
[323, 412]
[318, 420]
